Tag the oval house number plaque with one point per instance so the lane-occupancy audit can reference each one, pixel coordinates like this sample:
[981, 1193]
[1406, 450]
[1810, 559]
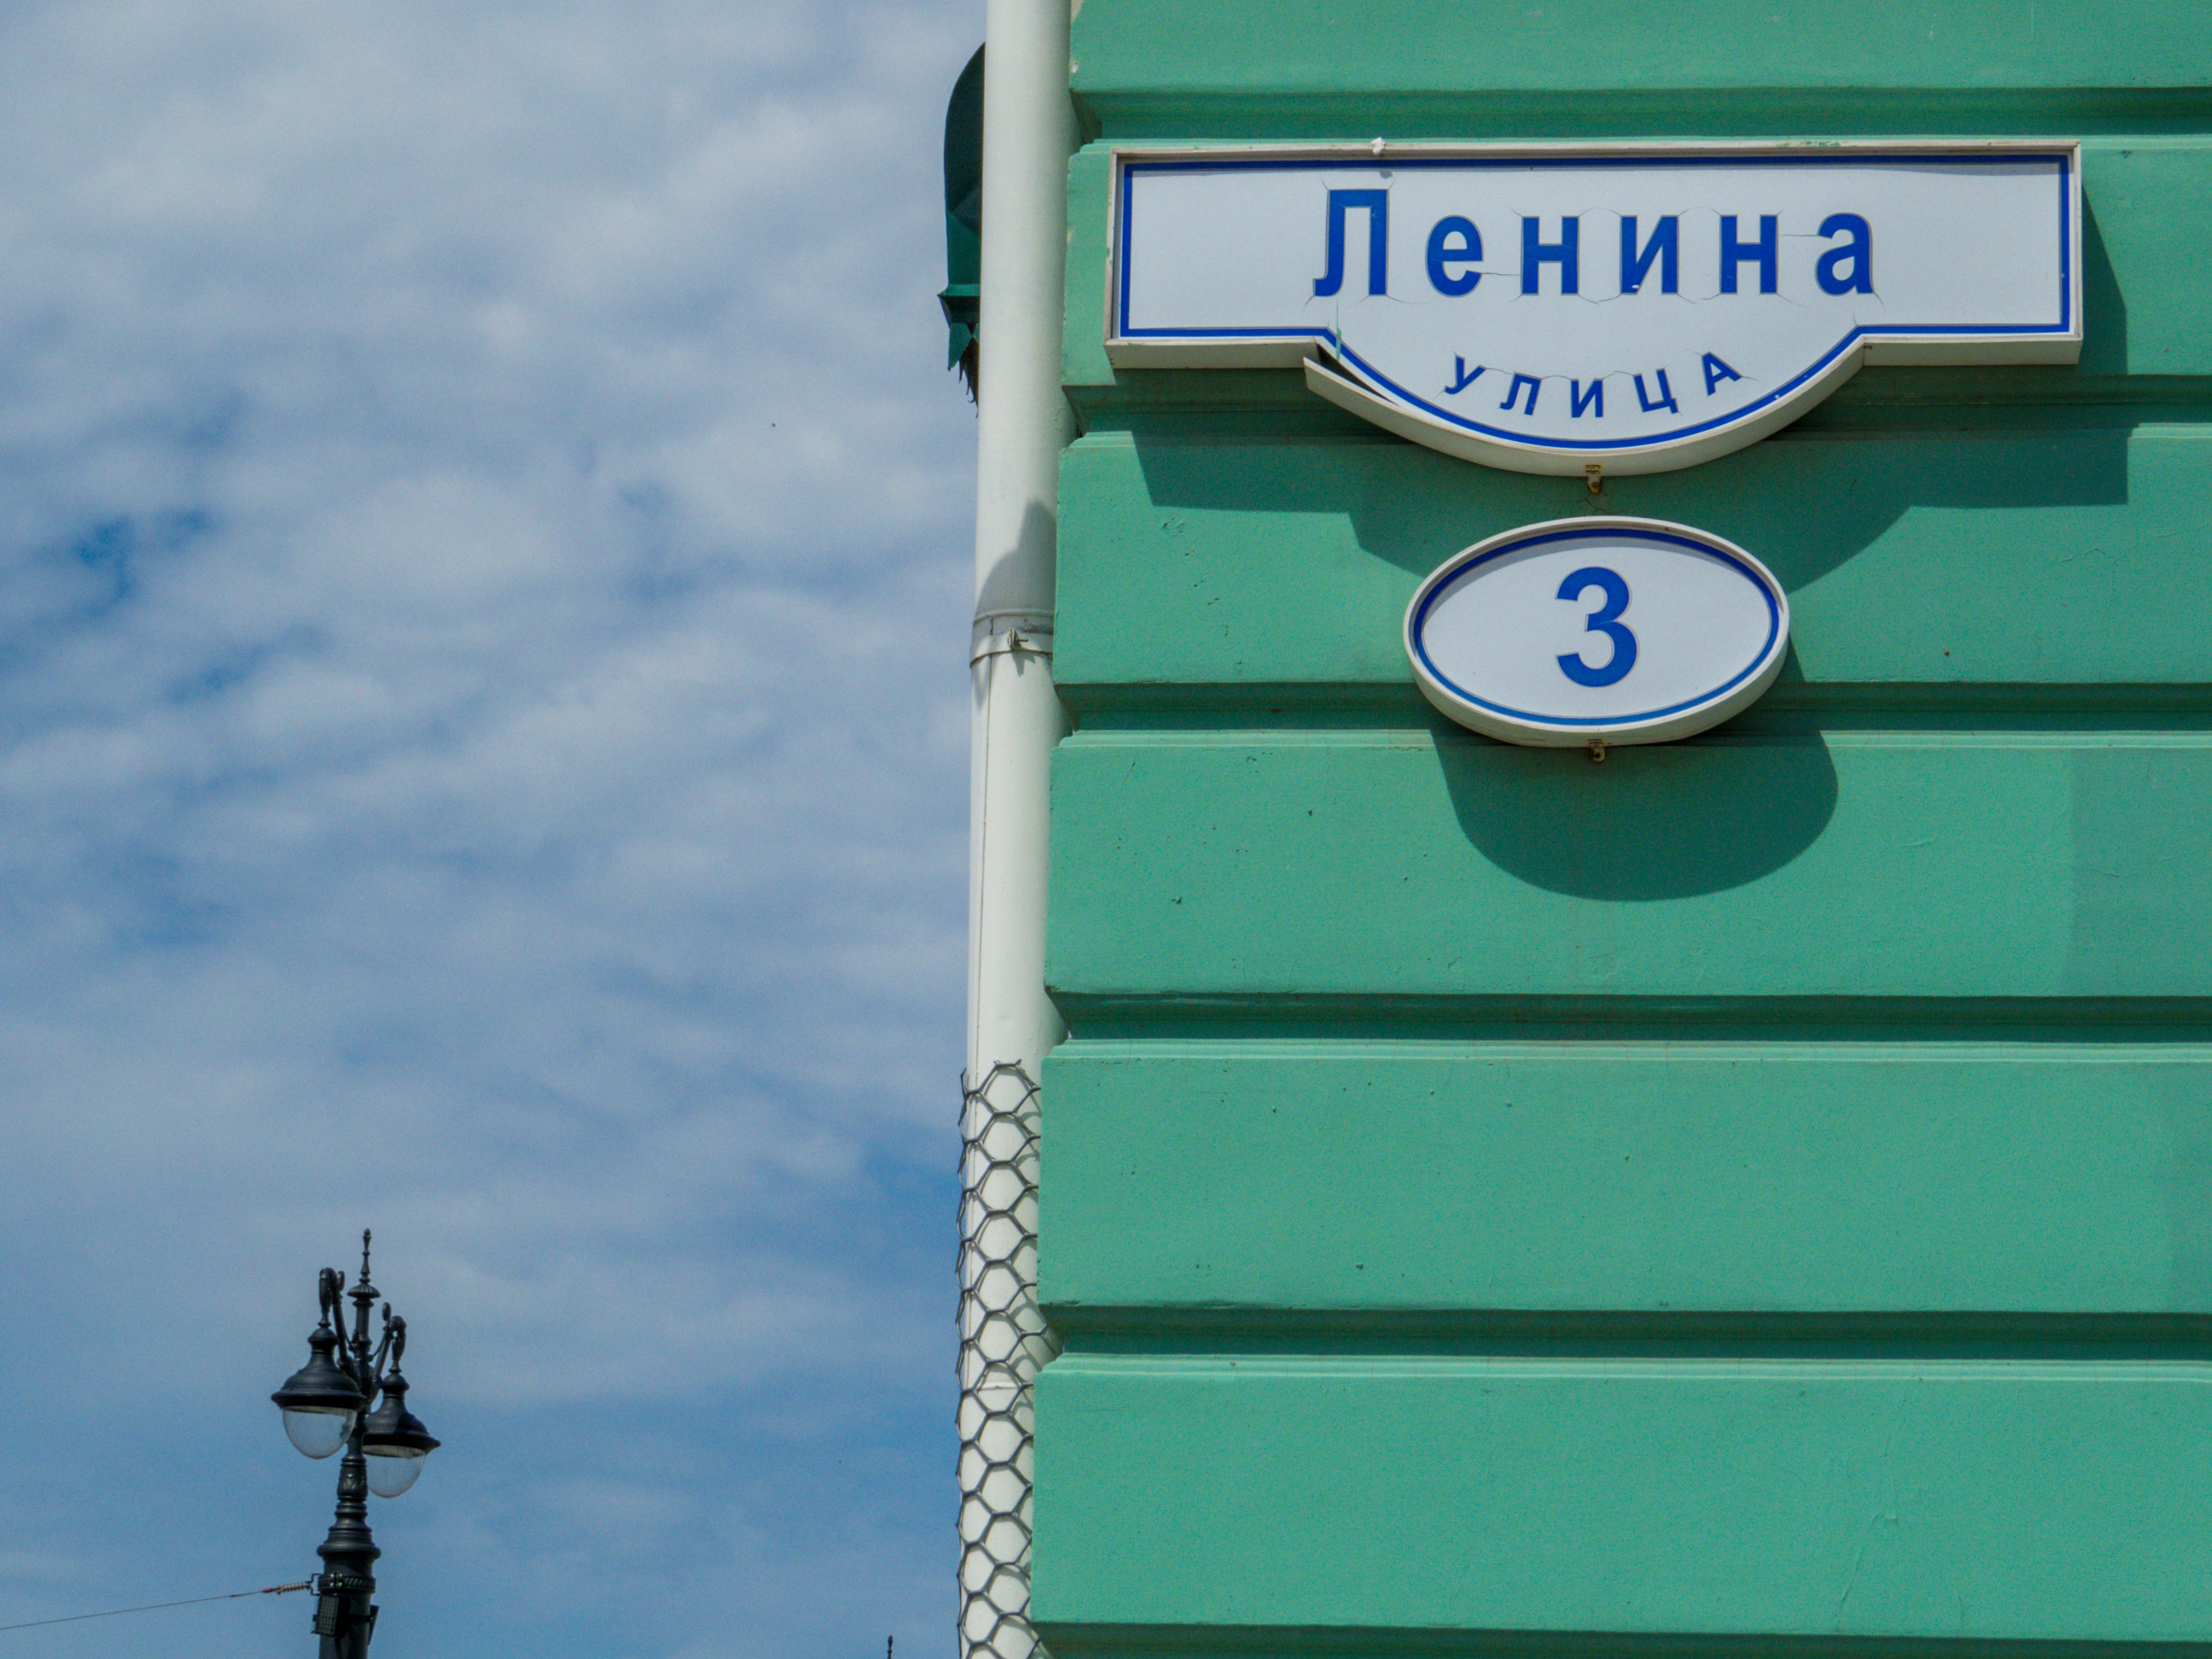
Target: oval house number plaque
[1633, 631]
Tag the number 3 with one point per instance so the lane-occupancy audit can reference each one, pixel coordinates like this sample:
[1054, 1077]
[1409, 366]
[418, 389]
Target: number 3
[1605, 620]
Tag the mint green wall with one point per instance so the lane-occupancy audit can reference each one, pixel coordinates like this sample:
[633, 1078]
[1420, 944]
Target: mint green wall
[1757, 1188]
[2060, 1186]
[2070, 556]
[1990, 1500]
[1433, 69]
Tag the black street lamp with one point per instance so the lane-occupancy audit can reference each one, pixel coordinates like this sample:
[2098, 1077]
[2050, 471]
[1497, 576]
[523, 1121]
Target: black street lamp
[327, 1405]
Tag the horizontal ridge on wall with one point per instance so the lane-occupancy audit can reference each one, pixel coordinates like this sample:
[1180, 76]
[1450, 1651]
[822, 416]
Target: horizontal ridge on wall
[2029, 1502]
[1397, 1017]
[1134, 711]
[1274, 405]
[1915, 865]
[1717, 1334]
[1818, 1189]
[1075, 1640]
[1231, 113]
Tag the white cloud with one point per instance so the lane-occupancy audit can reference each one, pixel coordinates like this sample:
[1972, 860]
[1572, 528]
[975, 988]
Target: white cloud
[483, 554]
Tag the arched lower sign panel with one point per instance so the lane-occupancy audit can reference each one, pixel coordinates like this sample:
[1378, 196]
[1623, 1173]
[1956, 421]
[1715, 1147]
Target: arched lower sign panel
[1634, 630]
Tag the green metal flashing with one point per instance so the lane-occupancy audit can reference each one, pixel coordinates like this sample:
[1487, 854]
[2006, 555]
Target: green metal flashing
[962, 297]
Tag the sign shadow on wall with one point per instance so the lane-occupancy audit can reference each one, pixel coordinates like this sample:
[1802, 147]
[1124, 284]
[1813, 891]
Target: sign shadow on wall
[1661, 821]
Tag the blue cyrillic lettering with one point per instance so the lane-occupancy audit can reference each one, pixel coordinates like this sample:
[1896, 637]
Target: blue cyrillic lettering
[1716, 371]
[1341, 203]
[1765, 250]
[1594, 400]
[1460, 377]
[1566, 253]
[1514, 391]
[1664, 247]
[1859, 251]
[1666, 399]
[1442, 253]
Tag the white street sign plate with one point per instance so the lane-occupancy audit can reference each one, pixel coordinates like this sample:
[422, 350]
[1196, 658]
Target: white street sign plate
[1640, 307]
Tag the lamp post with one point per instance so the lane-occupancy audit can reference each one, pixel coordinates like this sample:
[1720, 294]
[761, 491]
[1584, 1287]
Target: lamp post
[332, 1401]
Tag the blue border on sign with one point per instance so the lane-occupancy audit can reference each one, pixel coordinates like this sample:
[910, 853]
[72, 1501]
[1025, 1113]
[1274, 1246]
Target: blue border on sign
[2063, 159]
[1519, 543]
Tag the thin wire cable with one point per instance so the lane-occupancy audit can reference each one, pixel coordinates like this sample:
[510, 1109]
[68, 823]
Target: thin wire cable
[156, 1607]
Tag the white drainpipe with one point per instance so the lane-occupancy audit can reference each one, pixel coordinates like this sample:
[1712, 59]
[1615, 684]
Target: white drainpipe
[1024, 423]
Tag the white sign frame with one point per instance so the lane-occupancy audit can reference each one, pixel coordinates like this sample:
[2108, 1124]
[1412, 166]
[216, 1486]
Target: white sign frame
[1337, 373]
[1665, 723]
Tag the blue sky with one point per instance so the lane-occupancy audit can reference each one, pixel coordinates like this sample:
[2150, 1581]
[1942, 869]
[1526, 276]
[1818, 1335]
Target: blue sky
[484, 534]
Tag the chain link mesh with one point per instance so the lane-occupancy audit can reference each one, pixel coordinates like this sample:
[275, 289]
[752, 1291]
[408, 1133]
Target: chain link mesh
[1004, 1343]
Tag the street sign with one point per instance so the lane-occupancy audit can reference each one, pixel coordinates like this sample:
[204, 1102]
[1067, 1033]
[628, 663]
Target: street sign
[1635, 307]
[1631, 630]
